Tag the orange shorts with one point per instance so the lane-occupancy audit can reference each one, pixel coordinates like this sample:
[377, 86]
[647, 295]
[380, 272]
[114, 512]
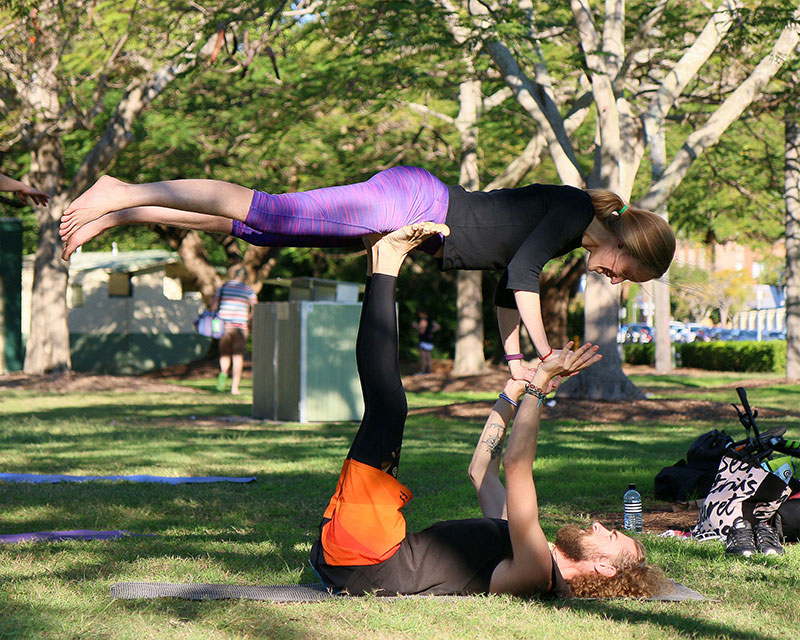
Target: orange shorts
[366, 526]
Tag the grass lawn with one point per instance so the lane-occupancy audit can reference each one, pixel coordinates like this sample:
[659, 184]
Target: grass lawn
[261, 533]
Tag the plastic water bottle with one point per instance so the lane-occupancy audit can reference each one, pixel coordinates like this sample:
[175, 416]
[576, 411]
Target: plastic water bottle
[633, 509]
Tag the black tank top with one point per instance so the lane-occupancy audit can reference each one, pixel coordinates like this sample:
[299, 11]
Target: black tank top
[454, 557]
[450, 557]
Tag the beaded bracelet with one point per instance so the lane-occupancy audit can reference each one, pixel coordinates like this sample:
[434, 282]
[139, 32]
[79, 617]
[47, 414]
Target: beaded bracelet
[533, 390]
[509, 400]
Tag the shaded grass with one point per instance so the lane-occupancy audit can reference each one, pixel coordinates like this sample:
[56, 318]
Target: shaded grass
[261, 533]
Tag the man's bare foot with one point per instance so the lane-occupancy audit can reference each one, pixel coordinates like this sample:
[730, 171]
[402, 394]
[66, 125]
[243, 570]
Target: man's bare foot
[99, 199]
[82, 235]
[387, 251]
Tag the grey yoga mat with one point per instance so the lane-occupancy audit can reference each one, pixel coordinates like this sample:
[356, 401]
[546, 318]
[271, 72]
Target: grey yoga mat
[275, 593]
[281, 592]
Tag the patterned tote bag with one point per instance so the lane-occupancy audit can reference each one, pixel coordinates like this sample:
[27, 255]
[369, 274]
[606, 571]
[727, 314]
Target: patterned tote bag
[740, 490]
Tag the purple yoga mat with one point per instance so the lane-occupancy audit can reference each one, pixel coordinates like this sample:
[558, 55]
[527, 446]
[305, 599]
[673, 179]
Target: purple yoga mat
[47, 478]
[77, 534]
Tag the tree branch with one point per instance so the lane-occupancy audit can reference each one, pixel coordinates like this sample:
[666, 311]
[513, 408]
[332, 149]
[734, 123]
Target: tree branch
[541, 108]
[614, 36]
[687, 67]
[610, 147]
[427, 111]
[497, 98]
[636, 44]
[531, 155]
[706, 136]
[135, 100]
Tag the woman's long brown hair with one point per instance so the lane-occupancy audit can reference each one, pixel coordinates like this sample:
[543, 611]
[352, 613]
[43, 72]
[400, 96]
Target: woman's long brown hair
[645, 235]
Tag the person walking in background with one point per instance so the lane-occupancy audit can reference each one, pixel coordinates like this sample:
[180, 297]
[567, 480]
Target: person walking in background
[234, 302]
[425, 327]
[23, 191]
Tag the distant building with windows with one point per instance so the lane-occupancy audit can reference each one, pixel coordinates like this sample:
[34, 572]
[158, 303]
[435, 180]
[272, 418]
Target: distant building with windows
[767, 305]
[729, 256]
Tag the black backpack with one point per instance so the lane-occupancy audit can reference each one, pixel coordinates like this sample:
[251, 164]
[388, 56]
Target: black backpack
[691, 479]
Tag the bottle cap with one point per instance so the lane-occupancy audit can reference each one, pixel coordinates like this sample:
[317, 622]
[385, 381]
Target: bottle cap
[631, 485]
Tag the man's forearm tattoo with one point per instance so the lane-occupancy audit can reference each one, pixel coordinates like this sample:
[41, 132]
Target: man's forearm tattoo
[494, 439]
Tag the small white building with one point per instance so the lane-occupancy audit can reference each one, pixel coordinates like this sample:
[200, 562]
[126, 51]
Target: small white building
[128, 311]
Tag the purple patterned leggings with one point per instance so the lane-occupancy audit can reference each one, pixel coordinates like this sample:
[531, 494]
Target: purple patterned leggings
[341, 216]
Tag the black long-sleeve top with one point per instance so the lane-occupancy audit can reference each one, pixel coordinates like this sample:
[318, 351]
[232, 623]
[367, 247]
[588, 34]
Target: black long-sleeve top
[518, 230]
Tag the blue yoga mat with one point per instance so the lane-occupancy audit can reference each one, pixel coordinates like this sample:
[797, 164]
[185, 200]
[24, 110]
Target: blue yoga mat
[75, 534]
[51, 478]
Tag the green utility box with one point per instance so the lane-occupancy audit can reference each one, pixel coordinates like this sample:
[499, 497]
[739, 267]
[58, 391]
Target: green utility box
[11, 356]
[304, 361]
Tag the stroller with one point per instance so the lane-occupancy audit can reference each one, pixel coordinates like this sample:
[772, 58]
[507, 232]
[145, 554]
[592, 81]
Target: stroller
[755, 477]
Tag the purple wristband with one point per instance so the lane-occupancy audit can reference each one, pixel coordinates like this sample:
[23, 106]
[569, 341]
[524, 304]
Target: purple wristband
[514, 356]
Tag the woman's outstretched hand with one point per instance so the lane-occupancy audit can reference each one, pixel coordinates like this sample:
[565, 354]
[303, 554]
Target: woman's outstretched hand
[520, 372]
[567, 362]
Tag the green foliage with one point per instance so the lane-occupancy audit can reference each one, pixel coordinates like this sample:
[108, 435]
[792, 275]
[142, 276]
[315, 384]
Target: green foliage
[576, 320]
[743, 356]
[726, 199]
[734, 356]
[337, 111]
[640, 353]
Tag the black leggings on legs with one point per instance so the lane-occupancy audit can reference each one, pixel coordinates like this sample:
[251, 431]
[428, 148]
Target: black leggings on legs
[380, 436]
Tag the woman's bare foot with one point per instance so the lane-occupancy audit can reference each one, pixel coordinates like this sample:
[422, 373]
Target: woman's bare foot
[103, 196]
[82, 235]
[387, 251]
[407, 238]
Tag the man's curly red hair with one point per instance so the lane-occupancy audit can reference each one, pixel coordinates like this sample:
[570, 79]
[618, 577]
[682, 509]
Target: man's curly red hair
[633, 579]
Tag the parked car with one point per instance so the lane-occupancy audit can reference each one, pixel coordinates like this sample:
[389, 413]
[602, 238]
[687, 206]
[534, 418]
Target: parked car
[720, 334]
[639, 332]
[678, 332]
[703, 335]
[693, 329]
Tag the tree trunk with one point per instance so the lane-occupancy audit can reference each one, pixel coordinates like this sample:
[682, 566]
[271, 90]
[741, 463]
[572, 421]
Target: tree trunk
[48, 346]
[47, 349]
[604, 380]
[469, 358]
[663, 357]
[619, 151]
[792, 199]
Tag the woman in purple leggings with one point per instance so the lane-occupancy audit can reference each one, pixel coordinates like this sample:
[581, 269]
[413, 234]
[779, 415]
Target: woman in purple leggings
[518, 230]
